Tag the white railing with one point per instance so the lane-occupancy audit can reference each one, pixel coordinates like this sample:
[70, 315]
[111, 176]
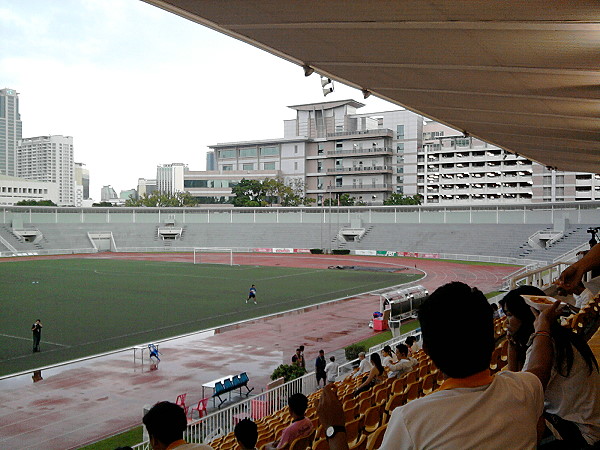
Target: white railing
[491, 259]
[221, 422]
[571, 255]
[541, 277]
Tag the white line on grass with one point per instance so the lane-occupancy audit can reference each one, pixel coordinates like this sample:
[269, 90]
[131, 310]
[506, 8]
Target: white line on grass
[27, 339]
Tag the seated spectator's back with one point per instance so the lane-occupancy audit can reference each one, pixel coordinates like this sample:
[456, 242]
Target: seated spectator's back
[472, 409]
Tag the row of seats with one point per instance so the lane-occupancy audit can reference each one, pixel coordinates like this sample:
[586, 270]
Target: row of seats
[366, 416]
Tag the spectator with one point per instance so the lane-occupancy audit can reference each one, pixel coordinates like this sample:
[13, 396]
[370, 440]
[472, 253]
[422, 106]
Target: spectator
[301, 426]
[376, 375]
[404, 364]
[387, 356]
[413, 345]
[301, 347]
[166, 423]
[331, 369]
[472, 409]
[364, 365]
[320, 364]
[246, 433]
[298, 359]
[572, 397]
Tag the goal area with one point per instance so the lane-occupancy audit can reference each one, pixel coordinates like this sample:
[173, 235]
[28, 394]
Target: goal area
[213, 255]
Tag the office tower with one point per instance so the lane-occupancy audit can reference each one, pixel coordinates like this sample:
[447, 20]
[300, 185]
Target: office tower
[82, 178]
[10, 131]
[169, 177]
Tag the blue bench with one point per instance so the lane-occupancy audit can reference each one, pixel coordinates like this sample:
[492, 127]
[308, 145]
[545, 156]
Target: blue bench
[229, 385]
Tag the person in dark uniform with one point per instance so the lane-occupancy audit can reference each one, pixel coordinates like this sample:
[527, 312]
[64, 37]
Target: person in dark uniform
[320, 364]
[36, 328]
[252, 294]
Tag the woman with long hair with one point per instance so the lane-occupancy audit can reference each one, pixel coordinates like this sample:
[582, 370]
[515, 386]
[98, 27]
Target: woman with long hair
[572, 397]
[376, 375]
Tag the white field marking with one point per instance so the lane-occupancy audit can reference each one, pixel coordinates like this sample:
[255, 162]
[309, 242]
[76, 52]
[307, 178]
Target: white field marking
[28, 339]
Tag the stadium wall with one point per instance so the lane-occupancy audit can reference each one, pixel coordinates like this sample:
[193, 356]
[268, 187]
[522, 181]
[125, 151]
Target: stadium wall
[540, 213]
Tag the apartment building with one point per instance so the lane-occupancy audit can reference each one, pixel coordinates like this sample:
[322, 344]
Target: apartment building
[50, 159]
[334, 150]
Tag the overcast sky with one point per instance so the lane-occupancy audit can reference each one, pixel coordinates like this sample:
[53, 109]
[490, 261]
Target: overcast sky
[137, 86]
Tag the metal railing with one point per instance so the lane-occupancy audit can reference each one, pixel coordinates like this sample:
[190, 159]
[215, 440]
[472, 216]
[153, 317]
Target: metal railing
[357, 151]
[376, 132]
[360, 169]
[223, 421]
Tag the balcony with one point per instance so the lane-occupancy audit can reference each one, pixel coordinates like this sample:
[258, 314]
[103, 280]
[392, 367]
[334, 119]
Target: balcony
[360, 188]
[386, 132]
[369, 151]
[361, 169]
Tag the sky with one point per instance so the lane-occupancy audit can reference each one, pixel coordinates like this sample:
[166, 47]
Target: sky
[137, 86]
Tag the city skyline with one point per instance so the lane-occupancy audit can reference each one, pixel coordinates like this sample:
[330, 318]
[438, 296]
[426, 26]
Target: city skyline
[137, 87]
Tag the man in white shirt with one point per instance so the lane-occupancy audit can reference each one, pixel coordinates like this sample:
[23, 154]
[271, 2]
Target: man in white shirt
[364, 366]
[472, 409]
[331, 370]
[404, 364]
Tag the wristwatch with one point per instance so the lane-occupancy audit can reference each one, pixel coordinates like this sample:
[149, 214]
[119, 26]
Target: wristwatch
[331, 431]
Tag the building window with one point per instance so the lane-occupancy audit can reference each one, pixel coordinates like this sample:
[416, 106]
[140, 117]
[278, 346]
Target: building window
[560, 191]
[319, 166]
[269, 151]
[560, 179]
[247, 166]
[247, 152]
[227, 154]
[400, 148]
[547, 191]
[227, 167]
[547, 180]
[295, 149]
[269, 166]
[320, 148]
[295, 165]
[399, 131]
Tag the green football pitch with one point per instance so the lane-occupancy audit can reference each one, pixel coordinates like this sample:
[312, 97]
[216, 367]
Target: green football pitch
[90, 306]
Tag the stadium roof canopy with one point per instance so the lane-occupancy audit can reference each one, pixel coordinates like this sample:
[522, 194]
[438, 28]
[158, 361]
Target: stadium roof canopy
[523, 75]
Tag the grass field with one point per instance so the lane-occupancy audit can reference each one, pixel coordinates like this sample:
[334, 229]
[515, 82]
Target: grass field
[89, 306]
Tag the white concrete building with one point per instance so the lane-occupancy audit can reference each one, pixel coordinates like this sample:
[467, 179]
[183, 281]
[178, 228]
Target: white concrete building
[169, 177]
[214, 187]
[13, 190]
[49, 158]
[337, 151]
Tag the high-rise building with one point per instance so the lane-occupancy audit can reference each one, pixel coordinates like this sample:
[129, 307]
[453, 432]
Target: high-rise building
[169, 177]
[210, 161]
[10, 131]
[107, 194]
[146, 186]
[82, 178]
[49, 158]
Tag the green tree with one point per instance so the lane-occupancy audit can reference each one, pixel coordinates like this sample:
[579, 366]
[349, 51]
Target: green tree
[163, 199]
[102, 205]
[340, 200]
[248, 193]
[35, 203]
[400, 199]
